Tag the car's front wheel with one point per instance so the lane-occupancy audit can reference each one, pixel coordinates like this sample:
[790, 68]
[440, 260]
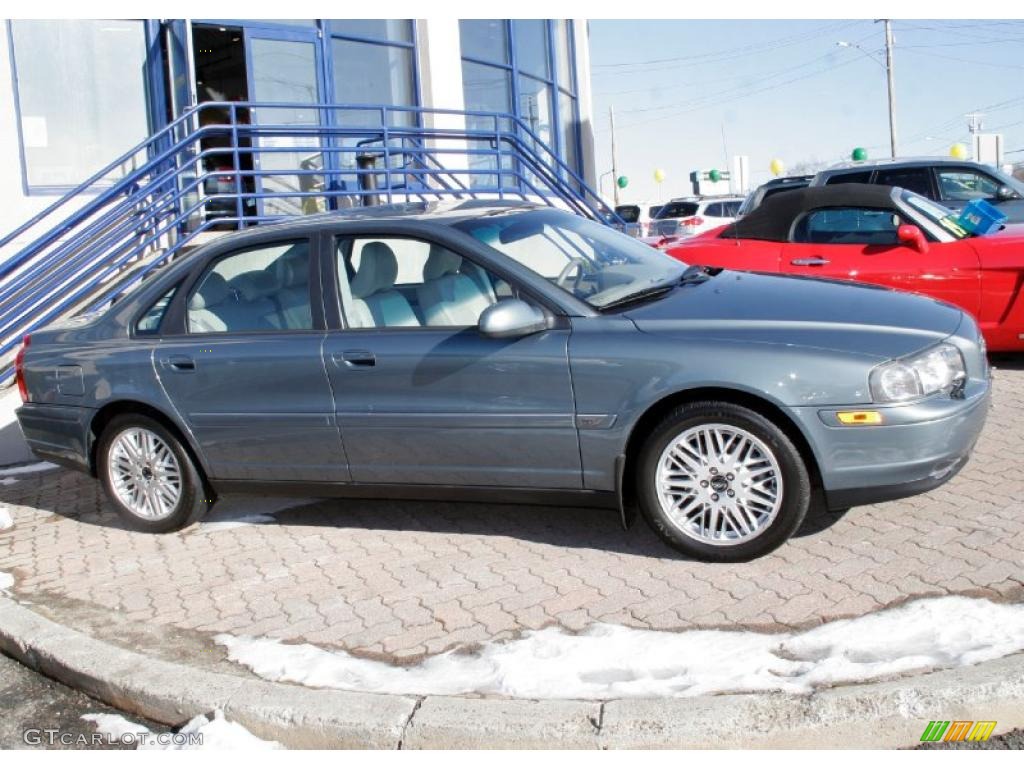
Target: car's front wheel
[720, 482]
[149, 476]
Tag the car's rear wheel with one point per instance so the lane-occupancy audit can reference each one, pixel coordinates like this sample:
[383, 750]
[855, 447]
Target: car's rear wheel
[149, 475]
[720, 482]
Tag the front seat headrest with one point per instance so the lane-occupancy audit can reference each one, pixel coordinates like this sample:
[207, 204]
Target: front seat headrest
[212, 292]
[441, 262]
[378, 270]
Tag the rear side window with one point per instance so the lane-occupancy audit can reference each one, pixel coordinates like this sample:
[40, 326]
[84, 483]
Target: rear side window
[260, 289]
[914, 179]
[678, 210]
[628, 213]
[857, 177]
[848, 226]
[149, 323]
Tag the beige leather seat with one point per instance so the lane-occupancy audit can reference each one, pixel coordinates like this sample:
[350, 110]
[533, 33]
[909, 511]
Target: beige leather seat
[448, 297]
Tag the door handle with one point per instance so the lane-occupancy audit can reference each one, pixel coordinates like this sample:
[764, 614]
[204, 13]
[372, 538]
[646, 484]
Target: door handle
[179, 363]
[352, 358]
[815, 262]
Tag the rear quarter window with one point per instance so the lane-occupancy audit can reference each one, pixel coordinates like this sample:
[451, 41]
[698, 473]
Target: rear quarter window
[149, 323]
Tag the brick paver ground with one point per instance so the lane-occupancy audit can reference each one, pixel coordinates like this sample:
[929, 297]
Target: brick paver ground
[400, 579]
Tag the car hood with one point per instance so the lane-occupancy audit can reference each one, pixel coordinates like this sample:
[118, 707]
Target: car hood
[829, 314]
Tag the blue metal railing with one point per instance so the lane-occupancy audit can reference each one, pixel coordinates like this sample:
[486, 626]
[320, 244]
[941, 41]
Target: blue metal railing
[230, 165]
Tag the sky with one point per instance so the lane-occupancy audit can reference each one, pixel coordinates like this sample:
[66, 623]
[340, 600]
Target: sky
[689, 94]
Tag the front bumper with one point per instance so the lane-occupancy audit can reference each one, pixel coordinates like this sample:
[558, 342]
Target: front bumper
[918, 447]
[58, 433]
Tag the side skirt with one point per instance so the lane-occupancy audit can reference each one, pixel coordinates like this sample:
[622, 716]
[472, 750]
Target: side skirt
[488, 494]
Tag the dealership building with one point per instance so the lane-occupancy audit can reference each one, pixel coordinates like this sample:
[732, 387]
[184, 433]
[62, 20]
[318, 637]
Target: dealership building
[78, 94]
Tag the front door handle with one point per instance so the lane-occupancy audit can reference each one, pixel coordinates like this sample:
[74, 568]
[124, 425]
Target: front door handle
[179, 363]
[815, 262]
[353, 358]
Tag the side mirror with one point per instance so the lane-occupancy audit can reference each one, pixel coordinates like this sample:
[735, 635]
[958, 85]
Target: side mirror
[511, 318]
[911, 236]
[1005, 193]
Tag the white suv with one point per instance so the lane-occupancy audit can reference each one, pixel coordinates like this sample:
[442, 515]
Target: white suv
[689, 216]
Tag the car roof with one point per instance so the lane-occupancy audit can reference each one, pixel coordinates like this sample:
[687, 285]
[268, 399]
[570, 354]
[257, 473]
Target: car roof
[441, 212]
[897, 162]
[774, 218]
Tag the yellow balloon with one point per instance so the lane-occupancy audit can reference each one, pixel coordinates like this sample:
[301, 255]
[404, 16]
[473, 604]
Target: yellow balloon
[958, 151]
[659, 175]
[777, 167]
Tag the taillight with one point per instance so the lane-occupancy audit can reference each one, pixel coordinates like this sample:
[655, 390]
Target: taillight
[19, 369]
[693, 221]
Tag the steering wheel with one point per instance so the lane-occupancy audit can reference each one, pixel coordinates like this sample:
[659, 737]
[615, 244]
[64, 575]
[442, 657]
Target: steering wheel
[563, 276]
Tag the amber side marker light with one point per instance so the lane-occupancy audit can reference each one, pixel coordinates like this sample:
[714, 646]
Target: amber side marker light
[859, 418]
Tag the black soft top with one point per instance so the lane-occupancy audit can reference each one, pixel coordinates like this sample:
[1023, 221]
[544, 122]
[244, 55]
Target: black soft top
[774, 218]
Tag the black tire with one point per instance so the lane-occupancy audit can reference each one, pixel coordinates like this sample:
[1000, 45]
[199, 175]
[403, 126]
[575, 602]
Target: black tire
[193, 500]
[796, 484]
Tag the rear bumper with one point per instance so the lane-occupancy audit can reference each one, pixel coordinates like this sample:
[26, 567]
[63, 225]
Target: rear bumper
[919, 447]
[58, 433]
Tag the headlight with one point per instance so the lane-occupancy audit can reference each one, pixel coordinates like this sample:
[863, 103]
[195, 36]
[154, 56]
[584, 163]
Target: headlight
[933, 370]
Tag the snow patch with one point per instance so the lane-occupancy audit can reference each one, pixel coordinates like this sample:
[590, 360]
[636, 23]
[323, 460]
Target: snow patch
[239, 512]
[221, 733]
[6, 521]
[611, 661]
[114, 726]
[24, 469]
[218, 733]
[6, 581]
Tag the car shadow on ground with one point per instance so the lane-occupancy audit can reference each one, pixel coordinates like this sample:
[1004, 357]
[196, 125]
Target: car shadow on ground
[77, 497]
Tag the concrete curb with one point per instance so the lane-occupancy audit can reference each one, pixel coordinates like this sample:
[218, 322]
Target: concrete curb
[887, 714]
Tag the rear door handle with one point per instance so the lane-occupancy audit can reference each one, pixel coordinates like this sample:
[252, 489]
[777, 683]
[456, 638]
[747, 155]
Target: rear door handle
[353, 358]
[815, 262]
[179, 363]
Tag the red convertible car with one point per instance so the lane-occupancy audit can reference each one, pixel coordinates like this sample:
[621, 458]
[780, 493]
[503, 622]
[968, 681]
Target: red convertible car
[882, 235]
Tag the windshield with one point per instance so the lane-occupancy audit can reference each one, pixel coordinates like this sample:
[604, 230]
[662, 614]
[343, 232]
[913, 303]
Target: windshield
[937, 214]
[586, 259]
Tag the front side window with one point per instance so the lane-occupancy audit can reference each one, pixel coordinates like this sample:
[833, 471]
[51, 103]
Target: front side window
[848, 226]
[590, 261]
[261, 289]
[857, 177]
[962, 184]
[400, 282]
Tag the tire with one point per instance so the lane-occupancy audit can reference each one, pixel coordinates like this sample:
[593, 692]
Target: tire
[716, 505]
[160, 492]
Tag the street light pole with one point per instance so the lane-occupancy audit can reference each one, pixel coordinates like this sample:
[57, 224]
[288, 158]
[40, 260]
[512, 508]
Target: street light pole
[615, 164]
[891, 78]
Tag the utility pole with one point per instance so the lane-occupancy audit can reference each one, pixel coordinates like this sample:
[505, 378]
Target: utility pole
[615, 164]
[892, 85]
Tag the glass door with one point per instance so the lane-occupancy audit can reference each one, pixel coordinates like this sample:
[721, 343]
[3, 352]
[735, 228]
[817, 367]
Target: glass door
[285, 67]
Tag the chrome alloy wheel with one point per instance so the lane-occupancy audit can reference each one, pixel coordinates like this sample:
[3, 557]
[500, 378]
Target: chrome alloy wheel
[719, 484]
[144, 474]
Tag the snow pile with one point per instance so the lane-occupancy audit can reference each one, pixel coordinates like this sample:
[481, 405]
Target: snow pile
[6, 521]
[610, 661]
[6, 581]
[218, 733]
[239, 512]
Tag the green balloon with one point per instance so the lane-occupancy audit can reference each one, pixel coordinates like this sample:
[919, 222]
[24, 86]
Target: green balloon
[622, 182]
[715, 175]
[859, 153]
